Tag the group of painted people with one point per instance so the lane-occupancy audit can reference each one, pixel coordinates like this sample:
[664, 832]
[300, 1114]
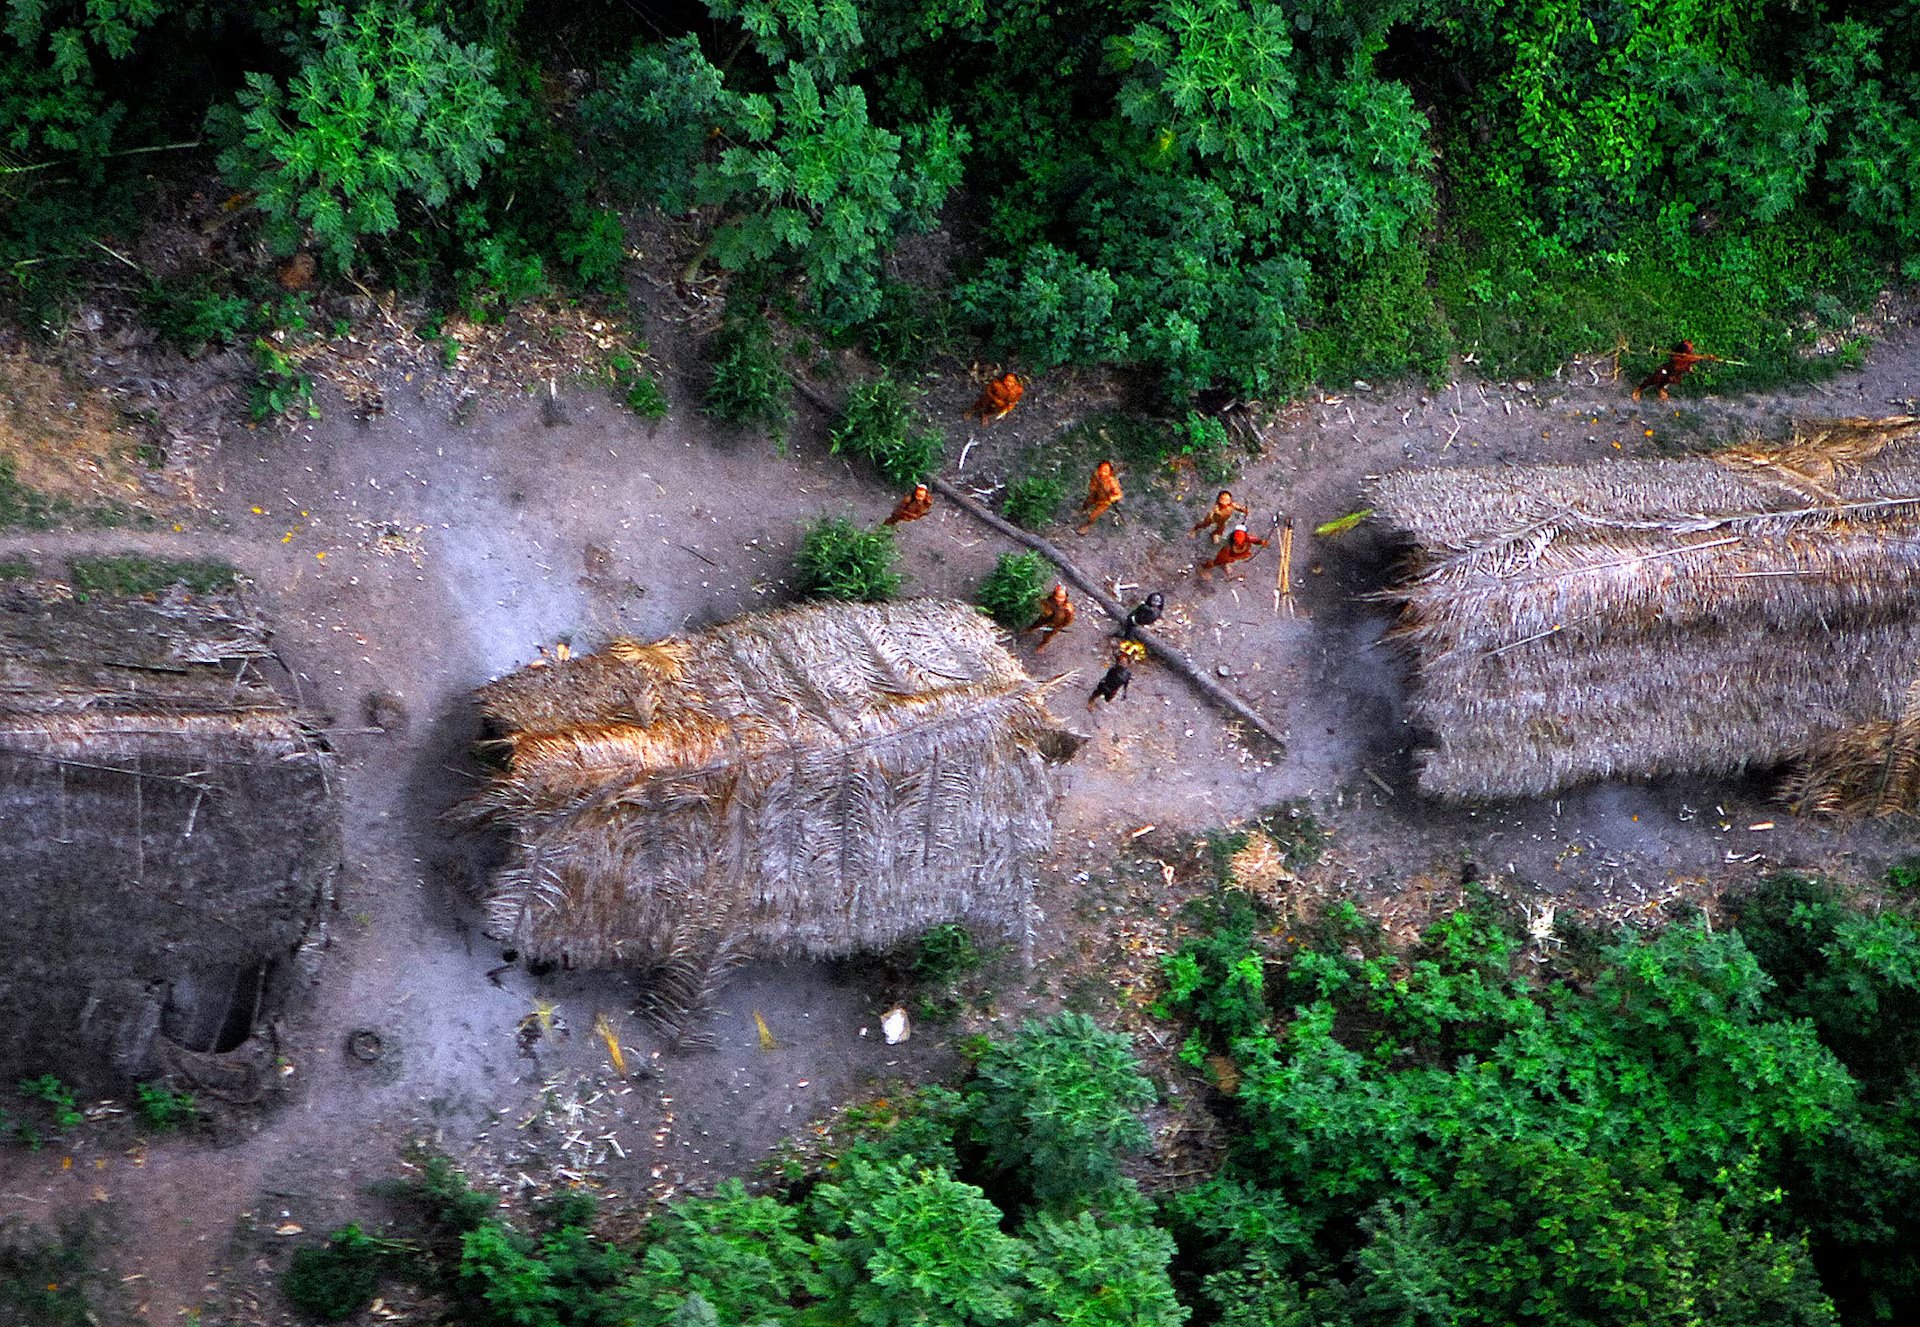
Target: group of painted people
[1056, 614]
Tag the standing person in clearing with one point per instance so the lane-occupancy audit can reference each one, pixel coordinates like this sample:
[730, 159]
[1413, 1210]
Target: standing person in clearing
[1680, 362]
[1239, 547]
[997, 400]
[1144, 614]
[912, 507]
[1103, 490]
[1219, 515]
[1056, 615]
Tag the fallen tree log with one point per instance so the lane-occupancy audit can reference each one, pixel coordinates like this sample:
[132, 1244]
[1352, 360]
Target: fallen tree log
[1175, 661]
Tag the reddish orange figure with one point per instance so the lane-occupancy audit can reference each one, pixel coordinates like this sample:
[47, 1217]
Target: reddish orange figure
[1239, 547]
[998, 400]
[912, 507]
[1219, 515]
[1680, 362]
[1056, 615]
[1103, 490]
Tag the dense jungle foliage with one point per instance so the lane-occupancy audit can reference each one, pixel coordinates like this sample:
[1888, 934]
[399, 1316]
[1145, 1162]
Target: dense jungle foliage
[1221, 194]
[1696, 1125]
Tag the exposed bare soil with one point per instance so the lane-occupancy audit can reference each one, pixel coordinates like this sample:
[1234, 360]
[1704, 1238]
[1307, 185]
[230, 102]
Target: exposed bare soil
[414, 556]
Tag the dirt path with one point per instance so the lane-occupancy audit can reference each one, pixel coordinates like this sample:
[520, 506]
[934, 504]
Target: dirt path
[417, 557]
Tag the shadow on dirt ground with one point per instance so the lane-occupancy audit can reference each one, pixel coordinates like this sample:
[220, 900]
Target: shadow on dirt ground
[412, 558]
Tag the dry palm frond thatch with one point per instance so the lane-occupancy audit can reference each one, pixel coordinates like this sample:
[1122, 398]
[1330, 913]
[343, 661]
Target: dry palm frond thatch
[171, 834]
[809, 782]
[1740, 609]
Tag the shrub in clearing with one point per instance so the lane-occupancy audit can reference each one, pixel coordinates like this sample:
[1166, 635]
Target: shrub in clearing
[1011, 593]
[1059, 1104]
[336, 1280]
[1034, 500]
[882, 426]
[840, 560]
[749, 386]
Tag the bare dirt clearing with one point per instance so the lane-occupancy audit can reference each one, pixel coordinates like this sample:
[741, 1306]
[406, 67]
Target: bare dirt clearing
[413, 558]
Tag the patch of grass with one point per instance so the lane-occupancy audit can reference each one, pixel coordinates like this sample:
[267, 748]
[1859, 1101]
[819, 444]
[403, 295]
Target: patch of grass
[45, 1277]
[49, 1108]
[194, 314]
[1292, 827]
[1034, 500]
[134, 573]
[1011, 592]
[882, 426]
[279, 387]
[338, 1279]
[1904, 876]
[21, 505]
[635, 387]
[946, 969]
[163, 1108]
[15, 569]
[749, 387]
[944, 954]
[840, 560]
[1759, 293]
[1202, 439]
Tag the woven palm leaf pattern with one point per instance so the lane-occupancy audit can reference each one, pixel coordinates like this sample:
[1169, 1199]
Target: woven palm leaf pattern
[1746, 608]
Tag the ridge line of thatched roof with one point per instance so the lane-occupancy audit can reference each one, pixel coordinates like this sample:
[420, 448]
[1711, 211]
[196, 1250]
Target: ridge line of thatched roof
[1652, 617]
[984, 705]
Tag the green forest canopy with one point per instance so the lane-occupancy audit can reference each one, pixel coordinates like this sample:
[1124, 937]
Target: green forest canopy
[1700, 1126]
[1236, 195]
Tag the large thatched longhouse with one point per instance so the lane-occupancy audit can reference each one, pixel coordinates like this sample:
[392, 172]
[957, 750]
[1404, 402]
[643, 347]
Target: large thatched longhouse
[171, 833]
[1746, 609]
[810, 782]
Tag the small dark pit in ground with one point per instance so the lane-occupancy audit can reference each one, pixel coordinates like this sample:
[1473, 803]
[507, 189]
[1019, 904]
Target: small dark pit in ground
[385, 711]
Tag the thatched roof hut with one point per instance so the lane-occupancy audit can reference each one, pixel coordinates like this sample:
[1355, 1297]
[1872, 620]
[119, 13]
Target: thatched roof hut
[171, 833]
[1742, 609]
[809, 782]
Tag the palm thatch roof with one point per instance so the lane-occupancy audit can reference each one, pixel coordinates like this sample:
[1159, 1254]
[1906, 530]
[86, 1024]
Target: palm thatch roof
[172, 832]
[1741, 609]
[809, 782]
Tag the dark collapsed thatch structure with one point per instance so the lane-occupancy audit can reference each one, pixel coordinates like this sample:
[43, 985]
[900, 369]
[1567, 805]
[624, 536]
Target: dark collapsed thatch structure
[1748, 608]
[809, 782]
[170, 833]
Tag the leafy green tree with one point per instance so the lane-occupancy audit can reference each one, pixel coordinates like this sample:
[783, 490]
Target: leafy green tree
[384, 109]
[1526, 1234]
[51, 95]
[822, 33]
[910, 1246]
[1050, 307]
[1087, 1274]
[741, 1254]
[1059, 1104]
[1876, 136]
[798, 171]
